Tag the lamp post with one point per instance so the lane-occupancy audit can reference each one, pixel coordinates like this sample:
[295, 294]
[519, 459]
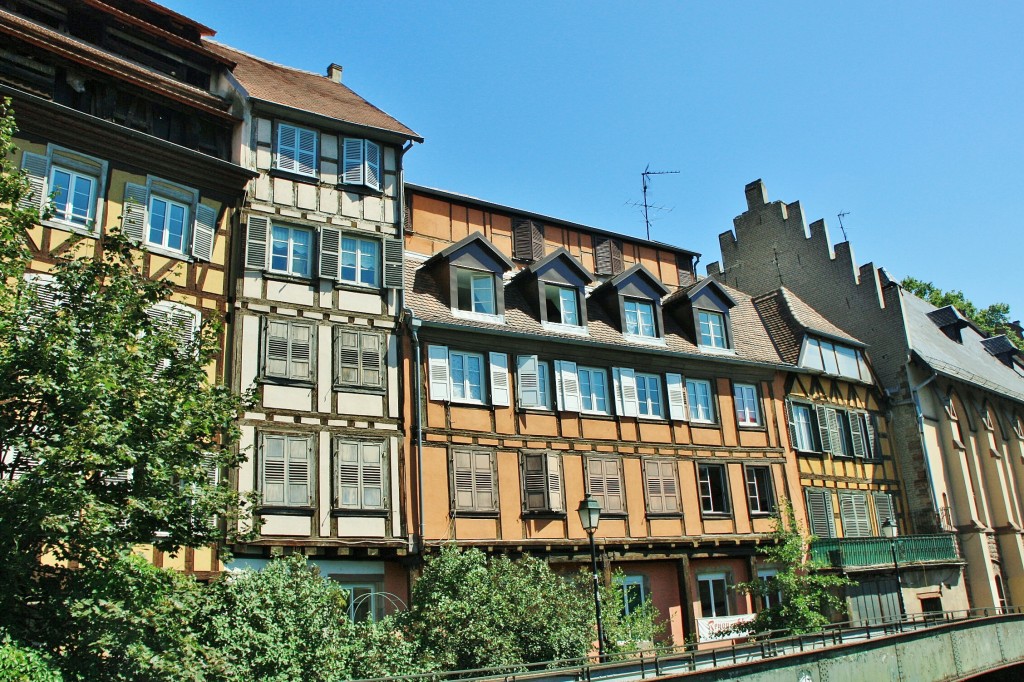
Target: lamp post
[891, 531]
[590, 514]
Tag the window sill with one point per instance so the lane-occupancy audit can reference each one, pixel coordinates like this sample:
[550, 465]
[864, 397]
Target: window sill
[479, 317]
[292, 383]
[535, 410]
[664, 515]
[468, 403]
[359, 288]
[752, 427]
[169, 253]
[370, 513]
[705, 425]
[292, 175]
[645, 340]
[368, 390]
[651, 419]
[71, 227]
[715, 350]
[570, 329]
[544, 514]
[359, 189]
[810, 453]
[475, 513]
[606, 416]
[284, 277]
[762, 514]
[716, 516]
[286, 511]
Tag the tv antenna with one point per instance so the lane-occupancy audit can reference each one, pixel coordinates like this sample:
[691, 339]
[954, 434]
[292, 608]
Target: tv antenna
[645, 176]
[841, 215]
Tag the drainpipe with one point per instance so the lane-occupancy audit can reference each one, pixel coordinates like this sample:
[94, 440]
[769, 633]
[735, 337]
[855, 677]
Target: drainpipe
[914, 393]
[414, 326]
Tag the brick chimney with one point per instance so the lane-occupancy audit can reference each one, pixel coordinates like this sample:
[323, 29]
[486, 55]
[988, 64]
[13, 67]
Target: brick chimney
[334, 72]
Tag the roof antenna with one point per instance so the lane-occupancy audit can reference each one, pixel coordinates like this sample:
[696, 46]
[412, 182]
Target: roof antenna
[841, 215]
[647, 183]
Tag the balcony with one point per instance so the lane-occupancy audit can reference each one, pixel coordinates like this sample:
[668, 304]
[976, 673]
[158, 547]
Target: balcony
[861, 553]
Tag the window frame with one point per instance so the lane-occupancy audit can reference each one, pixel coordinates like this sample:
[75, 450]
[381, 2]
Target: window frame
[278, 127]
[478, 505]
[759, 497]
[362, 361]
[706, 491]
[360, 508]
[812, 427]
[646, 407]
[711, 579]
[465, 384]
[692, 402]
[772, 597]
[186, 225]
[634, 580]
[472, 276]
[359, 258]
[754, 400]
[606, 397]
[551, 472]
[558, 303]
[373, 590]
[90, 221]
[288, 271]
[306, 505]
[638, 305]
[708, 340]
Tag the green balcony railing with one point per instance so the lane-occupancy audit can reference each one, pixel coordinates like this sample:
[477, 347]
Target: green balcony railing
[866, 552]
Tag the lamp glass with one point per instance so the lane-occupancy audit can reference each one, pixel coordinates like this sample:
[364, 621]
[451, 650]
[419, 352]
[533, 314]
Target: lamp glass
[590, 513]
[889, 528]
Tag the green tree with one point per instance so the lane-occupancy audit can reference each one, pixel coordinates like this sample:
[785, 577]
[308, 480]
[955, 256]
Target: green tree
[22, 664]
[625, 633]
[471, 612]
[993, 320]
[806, 595]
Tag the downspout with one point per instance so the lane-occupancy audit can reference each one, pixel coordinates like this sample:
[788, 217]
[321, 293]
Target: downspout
[400, 221]
[414, 326]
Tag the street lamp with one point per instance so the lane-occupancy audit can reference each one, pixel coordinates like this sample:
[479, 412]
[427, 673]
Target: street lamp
[892, 531]
[590, 514]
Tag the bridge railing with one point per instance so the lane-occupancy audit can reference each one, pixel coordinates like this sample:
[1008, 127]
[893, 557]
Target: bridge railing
[657, 661]
[865, 552]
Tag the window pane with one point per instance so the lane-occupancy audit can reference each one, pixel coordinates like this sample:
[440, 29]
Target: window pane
[349, 258]
[301, 242]
[632, 320]
[81, 200]
[458, 370]
[483, 294]
[368, 262]
[176, 226]
[157, 218]
[567, 299]
[474, 370]
[828, 356]
[848, 362]
[802, 432]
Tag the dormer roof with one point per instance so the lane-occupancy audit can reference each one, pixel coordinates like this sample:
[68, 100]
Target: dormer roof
[560, 254]
[639, 271]
[477, 241]
[1001, 347]
[692, 292]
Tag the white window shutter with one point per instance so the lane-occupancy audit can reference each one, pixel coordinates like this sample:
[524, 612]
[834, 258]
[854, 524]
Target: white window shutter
[394, 263]
[286, 147]
[36, 170]
[625, 392]
[300, 361]
[133, 213]
[330, 252]
[437, 369]
[276, 344]
[273, 487]
[256, 242]
[499, 380]
[568, 386]
[352, 161]
[529, 381]
[373, 476]
[554, 472]
[300, 490]
[676, 389]
[203, 232]
[372, 165]
[305, 152]
[184, 323]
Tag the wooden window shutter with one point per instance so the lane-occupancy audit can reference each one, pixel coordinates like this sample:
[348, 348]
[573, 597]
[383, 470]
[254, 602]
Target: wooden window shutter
[626, 400]
[287, 147]
[823, 427]
[529, 381]
[300, 489]
[347, 363]
[595, 478]
[500, 393]
[371, 361]
[305, 152]
[819, 512]
[347, 494]
[883, 509]
[835, 430]
[256, 233]
[792, 425]
[857, 434]
[437, 371]
[352, 161]
[853, 508]
[652, 476]
[36, 169]
[273, 484]
[330, 252]
[669, 486]
[527, 239]
[535, 484]
[276, 345]
[607, 256]
[484, 490]
[372, 165]
[372, 483]
[675, 387]
[133, 213]
[871, 437]
[203, 232]
[614, 495]
[554, 475]
[462, 493]
[300, 361]
[567, 388]
[394, 263]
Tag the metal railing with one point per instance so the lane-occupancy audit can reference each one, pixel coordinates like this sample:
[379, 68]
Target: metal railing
[864, 552]
[658, 661]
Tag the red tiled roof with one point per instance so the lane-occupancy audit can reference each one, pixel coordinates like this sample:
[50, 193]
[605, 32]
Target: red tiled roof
[306, 91]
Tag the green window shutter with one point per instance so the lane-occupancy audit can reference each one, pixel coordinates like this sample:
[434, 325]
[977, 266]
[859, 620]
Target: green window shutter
[819, 512]
[256, 233]
[824, 428]
[36, 169]
[853, 509]
[134, 211]
[276, 348]
[272, 484]
[554, 473]
[352, 161]
[299, 473]
[394, 263]
[883, 509]
[372, 172]
[371, 360]
[203, 232]
[535, 482]
[330, 253]
[857, 434]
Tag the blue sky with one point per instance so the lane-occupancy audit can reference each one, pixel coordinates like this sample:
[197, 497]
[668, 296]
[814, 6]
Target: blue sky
[907, 115]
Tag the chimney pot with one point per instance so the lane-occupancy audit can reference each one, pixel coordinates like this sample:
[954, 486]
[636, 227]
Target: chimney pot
[334, 72]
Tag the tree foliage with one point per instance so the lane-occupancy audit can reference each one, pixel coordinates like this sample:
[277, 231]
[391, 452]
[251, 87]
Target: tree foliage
[993, 320]
[22, 664]
[626, 633]
[807, 595]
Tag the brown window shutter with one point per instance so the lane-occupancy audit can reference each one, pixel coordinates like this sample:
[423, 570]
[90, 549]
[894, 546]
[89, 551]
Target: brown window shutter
[607, 256]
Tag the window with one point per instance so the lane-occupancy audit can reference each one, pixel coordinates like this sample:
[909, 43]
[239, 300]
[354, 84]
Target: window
[168, 224]
[714, 595]
[639, 318]
[773, 596]
[661, 486]
[290, 250]
[288, 349]
[296, 149]
[286, 470]
[760, 498]
[476, 291]
[363, 601]
[820, 517]
[180, 321]
[712, 329]
[562, 304]
[358, 357]
[853, 508]
[361, 480]
[635, 592]
[714, 495]
[604, 482]
[802, 428]
[473, 481]
[467, 376]
[698, 392]
[846, 434]
[542, 482]
[361, 162]
[360, 261]
[593, 390]
[648, 391]
[534, 382]
[74, 196]
[747, 413]
[834, 359]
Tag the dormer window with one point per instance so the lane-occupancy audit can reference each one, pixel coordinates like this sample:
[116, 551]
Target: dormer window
[712, 329]
[556, 287]
[296, 149]
[562, 304]
[475, 292]
[834, 358]
[640, 318]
